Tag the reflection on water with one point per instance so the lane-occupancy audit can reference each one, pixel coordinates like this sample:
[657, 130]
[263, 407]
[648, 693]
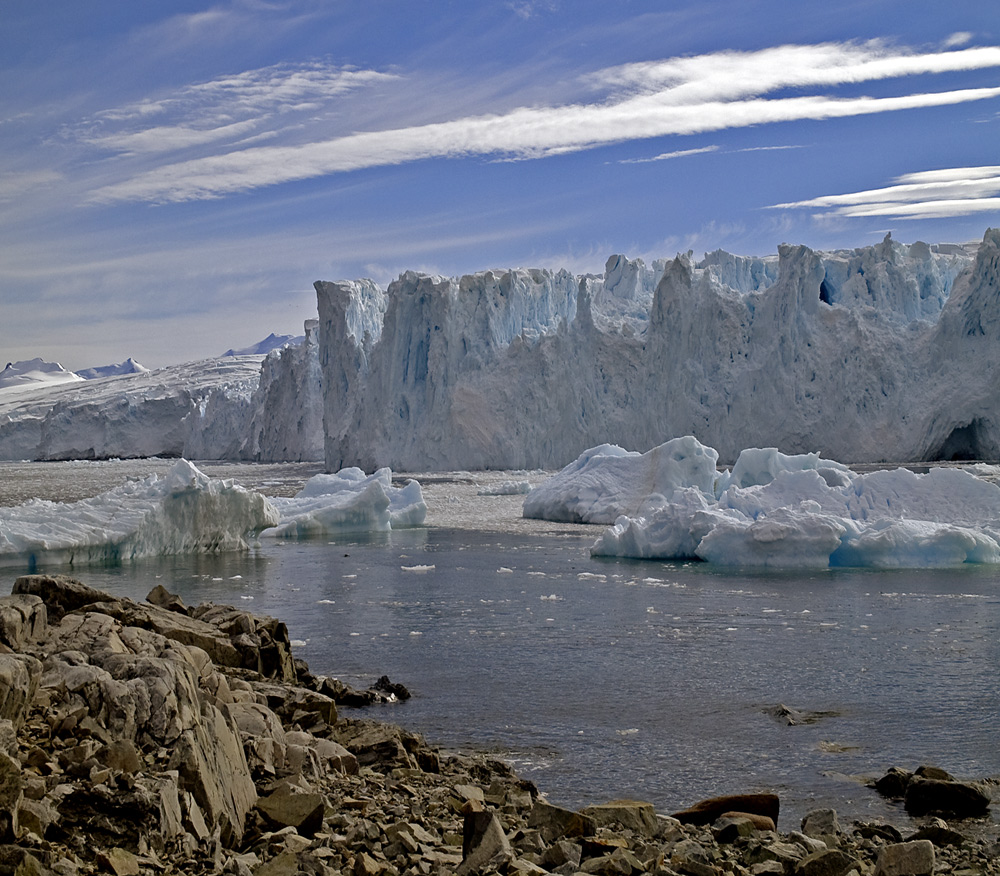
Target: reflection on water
[603, 678]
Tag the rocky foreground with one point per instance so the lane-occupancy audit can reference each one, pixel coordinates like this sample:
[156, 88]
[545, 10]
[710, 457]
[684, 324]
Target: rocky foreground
[154, 738]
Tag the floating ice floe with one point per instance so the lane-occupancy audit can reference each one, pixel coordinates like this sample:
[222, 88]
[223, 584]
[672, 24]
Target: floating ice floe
[773, 509]
[349, 501]
[185, 511]
[506, 488]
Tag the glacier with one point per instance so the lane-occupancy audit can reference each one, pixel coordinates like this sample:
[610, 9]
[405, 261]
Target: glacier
[883, 353]
[772, 509]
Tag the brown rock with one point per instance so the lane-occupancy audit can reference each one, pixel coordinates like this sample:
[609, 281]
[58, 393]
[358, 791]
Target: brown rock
[706, 811]
[23, 618]
[555, 822]
[946, 797]
[906, 859]
[830, 862]
[60, 593]
[631, 814]
[288, 807]
[121, 862]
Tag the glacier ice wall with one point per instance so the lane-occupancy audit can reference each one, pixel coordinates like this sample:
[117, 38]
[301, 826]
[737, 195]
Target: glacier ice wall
[887, 352]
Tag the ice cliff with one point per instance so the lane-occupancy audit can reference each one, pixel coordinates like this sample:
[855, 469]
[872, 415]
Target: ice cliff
[882, 352]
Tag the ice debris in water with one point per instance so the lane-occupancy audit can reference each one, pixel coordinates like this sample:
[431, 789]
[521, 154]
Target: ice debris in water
[185, 511]
[349, 501]
[772, 509]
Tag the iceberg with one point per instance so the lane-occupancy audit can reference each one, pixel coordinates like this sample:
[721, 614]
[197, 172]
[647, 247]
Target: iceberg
[775, 510]
[606, 482]
[184, 511]
[348, 501]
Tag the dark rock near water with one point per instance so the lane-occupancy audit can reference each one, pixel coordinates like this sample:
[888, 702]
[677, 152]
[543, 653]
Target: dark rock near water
[707, 811]
[932, 790]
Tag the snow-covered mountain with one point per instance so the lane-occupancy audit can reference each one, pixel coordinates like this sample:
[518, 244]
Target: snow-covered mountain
[882, 352]
[33, 374]
[129, 366]
[271, 342]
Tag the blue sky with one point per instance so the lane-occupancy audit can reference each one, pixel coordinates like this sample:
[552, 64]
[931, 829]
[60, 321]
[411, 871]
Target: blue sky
[175, 175]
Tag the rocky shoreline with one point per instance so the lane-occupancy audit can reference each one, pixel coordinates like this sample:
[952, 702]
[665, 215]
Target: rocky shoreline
[153, 738]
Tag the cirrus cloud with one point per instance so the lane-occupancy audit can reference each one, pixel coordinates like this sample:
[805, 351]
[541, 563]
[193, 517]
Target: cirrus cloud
[931, 194]
[675, 97]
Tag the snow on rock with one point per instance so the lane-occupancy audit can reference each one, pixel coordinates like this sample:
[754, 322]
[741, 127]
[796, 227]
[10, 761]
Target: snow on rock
[606, 482]
[33, 374]
[886, 352]
[779, 510]
[348, 501]
[183, 512]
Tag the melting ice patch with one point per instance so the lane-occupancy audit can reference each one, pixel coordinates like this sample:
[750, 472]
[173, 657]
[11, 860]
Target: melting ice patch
[776, 510]
[184, 511]
[349, 501]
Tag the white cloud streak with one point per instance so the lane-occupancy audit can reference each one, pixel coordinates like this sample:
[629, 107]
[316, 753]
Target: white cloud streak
[680, 96]
[932, 194]
[666, 156]
[226, 108]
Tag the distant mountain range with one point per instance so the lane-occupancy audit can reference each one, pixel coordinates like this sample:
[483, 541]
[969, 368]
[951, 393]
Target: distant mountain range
[271, 342]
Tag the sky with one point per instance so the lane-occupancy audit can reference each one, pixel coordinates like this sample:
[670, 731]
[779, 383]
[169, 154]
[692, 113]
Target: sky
[174, 176]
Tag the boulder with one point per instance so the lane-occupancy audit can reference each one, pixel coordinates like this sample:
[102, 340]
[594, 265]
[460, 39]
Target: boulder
[906, 859]
[211, 764]
[732, 826]
[483, 842]
[289, 806]
[706, 811]
[174, 626]
[60, 593]
[945, 797]
[893, 783]
[829, 862]
[20, 675]
[554, 822]
[163, 598]
[633, 815]
[23, 619]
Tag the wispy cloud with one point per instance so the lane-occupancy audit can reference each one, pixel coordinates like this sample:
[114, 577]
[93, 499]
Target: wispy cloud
[932, 194]
[222, 109]
[679, 96]
[666, 156]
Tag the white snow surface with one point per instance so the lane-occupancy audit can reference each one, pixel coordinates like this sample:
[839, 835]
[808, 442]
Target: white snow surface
[129, 366]
[349, 501]
[33, 374]
[182, 512]
[185, 511]
[772, 509]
